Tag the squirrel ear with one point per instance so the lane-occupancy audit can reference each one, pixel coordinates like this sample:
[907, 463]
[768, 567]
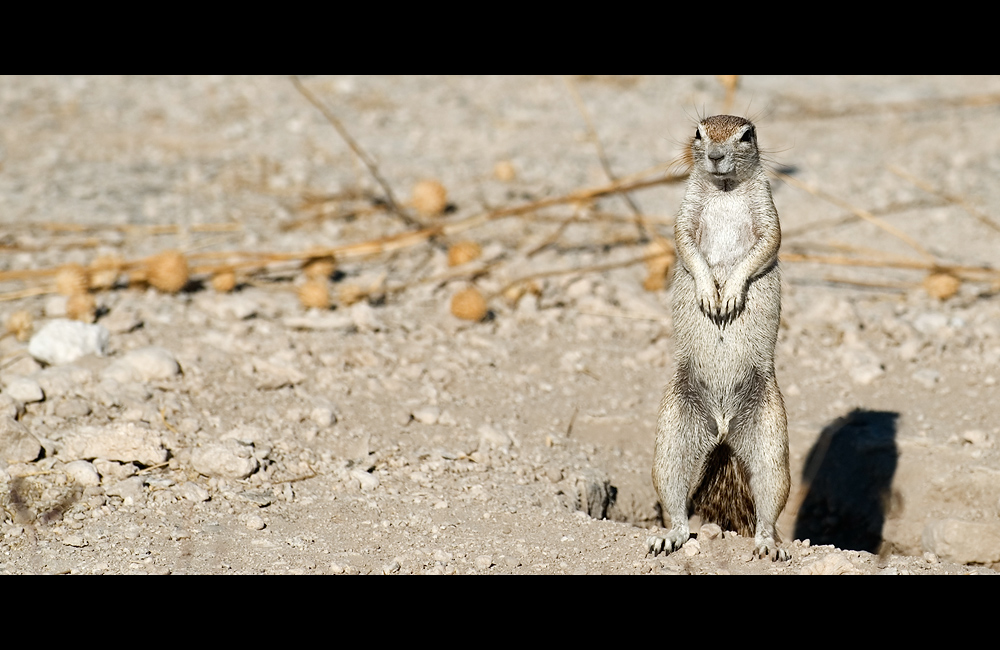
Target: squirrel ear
[747, 135]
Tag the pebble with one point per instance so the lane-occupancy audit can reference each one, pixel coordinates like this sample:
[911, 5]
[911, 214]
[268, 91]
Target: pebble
[125, 442]
[76, 541]
[709, 531]
[130, 490]
[484, 562]
[225, 307]
[113, 472]
[271, 376]
[691, 547]
[83, 473]
[392, 567]
[64, 380]
[229, 460]
[323, 416]
[17, 445]
[144, 364]
[964, 542]
[192, 492]
[24, 390]
[366, 481]
[927, 377]
[833, 564]
[255, 522]
[427, 414]
[490, 437]
[10, 407]
[72, 408]
[64, 341]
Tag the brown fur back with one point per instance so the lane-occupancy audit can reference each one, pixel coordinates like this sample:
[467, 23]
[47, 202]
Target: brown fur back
[723, 496]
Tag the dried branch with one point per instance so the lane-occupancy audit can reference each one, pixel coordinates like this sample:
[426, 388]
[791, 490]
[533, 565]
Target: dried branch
[951, 198]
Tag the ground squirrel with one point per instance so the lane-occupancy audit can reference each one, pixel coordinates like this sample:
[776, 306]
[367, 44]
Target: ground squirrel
[721, 438]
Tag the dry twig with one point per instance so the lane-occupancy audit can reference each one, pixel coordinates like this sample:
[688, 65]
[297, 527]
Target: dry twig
[951, 198]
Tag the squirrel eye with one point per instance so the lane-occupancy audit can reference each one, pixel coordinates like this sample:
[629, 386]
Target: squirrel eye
[697, 134]
[747, 136]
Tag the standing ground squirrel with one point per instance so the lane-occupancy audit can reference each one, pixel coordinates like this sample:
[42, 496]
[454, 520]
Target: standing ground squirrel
[721, 438]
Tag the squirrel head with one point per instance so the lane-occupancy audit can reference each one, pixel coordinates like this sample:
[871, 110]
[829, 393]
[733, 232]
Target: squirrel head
[724, 150]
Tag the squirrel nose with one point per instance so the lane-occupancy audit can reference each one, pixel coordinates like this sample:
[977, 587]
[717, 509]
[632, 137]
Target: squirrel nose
[716, 155]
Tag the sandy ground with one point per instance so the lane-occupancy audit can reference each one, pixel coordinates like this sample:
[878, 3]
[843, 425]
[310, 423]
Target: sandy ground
[389, 436]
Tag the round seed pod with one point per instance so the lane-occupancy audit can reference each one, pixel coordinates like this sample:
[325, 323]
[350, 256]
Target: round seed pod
[319, 267]
[72, 279]
[20, 325]
[82, 307]
[224, 281]
[315, 294]
[469, 304]
[429, 198]
[942, 285]
[167, 271]
[463, 252]
[350, 294]
[104, 271]
[505, 171]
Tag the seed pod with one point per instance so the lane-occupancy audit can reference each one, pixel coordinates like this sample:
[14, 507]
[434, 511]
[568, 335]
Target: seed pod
[462, 252]
[504, 171]
[224, 281]
[430, 198]
[82, 307]
[167, 271]
[319, 267]
[941, 285]
[20, 325]
[469, 304]
[104, 271]
[315, 294]
[71, 279]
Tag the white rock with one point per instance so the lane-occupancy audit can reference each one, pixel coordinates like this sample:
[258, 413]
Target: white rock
[367, 481]
[964, 542]
[24, 390]
[927, 377]
[74, 540]
[323, 416]
[833, 564]
[144, 364]
[17, 445]
[230, 460]
[59, 381]
[427, 414]
[709, 531]
[255, 522]
[130, 490]
[484, 562]
[192, 492]
[364, 318]
[691, 547]
[489, 437]
[123, 442]
[64, 341]
[10, 407]
[83, 473]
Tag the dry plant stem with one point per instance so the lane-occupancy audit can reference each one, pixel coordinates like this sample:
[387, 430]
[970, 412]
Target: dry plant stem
[596, 268]
[892, 286]
[864, 214]
[26, 293]
[967, 101]
[358, 151]
[554, 237]
[968, 272]
[815, 226]
[951, 198]
[602, 156]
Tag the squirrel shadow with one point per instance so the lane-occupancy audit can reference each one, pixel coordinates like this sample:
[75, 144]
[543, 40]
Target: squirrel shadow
[847, 482]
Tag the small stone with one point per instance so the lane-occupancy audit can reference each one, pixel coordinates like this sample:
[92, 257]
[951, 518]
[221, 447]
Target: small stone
[112, 472]
[927, 377]
[64, 341]
[366, 481]
[83, 473]
[392, 567]
[144, 364]
[484, 562]
[123, 442]
[230, 460]
[75, 541]
[691, 547]
[72, 408]
[930, 558]
[17, 445]
[491, 438]
[427, 414]
[10, 407]
[709, 531]
[975, 437]
[255, 522]
[323, 416]
[192, 492]
[833, 564]
[963, 542]
[130, 490]
[24, 390]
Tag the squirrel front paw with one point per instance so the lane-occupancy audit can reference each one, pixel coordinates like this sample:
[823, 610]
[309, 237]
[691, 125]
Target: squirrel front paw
[732, 300]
